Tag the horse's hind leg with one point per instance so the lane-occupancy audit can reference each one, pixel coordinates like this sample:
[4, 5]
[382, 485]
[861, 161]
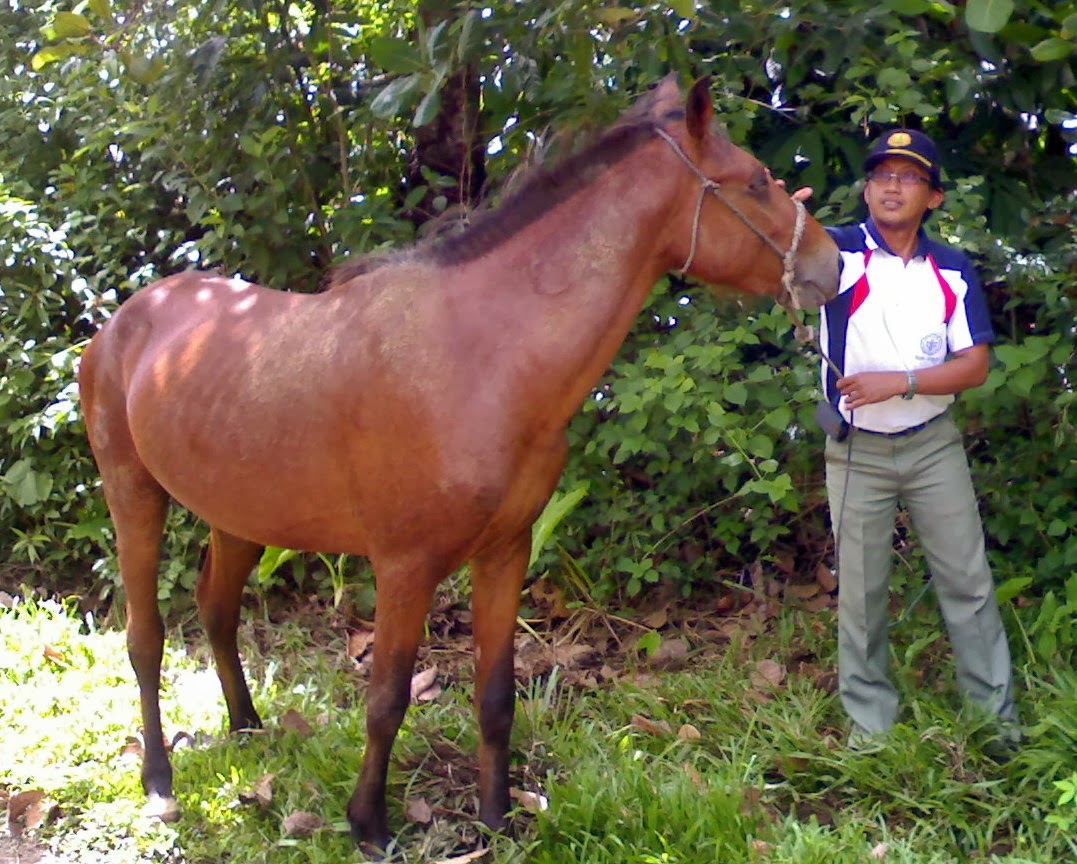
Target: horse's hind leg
[219, 594]
[138, 506]
[497, 577]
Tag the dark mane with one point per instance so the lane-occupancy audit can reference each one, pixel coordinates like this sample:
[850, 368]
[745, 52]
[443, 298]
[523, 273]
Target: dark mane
[541, 191]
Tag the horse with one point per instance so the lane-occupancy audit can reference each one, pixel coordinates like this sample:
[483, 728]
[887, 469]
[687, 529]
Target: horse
[415, 411]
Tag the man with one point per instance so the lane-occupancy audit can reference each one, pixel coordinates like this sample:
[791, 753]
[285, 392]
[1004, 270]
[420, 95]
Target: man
[909, 328]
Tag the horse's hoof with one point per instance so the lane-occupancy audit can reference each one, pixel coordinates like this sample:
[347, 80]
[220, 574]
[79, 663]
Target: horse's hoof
[161, 808]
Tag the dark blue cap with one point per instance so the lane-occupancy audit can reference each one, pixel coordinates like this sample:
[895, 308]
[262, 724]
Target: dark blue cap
[907, 144]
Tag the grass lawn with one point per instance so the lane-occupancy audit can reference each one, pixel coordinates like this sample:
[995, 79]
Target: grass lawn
[721, 744]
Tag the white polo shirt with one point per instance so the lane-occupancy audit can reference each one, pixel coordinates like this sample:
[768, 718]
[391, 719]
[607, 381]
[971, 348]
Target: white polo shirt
[891, 316]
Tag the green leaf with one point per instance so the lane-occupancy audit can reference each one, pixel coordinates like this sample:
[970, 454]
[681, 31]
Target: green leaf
[684, 8]
[556, 509]
[398, 93]
[1052, 49]
[1011, 588]
[395, 55]
[428, 108]
[70, 25]
[52, 53]
[25, 486]
[736, 393]
[988, 16]
[471, 41]
[649, 643]
[101, 8]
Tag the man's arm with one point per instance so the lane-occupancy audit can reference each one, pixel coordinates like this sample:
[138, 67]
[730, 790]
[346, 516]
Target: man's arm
[965, 369]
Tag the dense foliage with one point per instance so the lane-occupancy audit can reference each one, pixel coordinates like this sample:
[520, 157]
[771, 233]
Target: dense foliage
[270, 140]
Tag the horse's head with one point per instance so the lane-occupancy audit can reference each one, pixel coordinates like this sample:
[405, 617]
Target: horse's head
[733, 224]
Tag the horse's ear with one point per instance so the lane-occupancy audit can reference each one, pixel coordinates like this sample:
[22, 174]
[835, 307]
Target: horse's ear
[699, 111]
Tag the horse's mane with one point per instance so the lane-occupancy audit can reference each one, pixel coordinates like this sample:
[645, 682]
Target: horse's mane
[540, 191]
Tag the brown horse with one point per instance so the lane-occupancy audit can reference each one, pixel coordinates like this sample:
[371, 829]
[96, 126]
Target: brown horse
[415, 412]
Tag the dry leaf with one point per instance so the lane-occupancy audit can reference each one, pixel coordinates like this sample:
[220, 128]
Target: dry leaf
[879, 850]
[132, 747]
[6, 600]
[359, 642]
[27, 810]
[694, 776]
[262, 792]
[671, 652]
[658, 728]
[826, 578]
[293, 721]
[418, 811]
[570, 656]
[533, 802]
[759, 847]
[768, 672]
[688, 732]
[55, 655]
[657, 619]
[301, 824]
[424, 685]
[802, 592]
[818, 604]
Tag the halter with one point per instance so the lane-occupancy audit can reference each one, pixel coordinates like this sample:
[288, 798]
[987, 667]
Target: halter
[788, 258]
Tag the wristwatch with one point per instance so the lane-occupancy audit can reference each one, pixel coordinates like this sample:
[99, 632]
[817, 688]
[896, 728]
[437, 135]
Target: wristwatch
[910, 385]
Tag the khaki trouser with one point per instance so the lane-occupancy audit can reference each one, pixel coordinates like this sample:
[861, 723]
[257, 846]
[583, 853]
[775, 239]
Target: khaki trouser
[928, 471]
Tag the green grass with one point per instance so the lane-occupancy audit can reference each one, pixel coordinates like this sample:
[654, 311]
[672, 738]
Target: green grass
[767, 779]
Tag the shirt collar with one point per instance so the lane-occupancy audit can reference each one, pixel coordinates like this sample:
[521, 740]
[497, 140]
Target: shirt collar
[922, 242]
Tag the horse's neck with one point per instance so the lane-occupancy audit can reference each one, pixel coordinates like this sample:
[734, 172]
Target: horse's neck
[564, 292]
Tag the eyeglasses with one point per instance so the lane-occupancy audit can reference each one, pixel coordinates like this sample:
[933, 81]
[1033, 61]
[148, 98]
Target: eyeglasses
[905, 178]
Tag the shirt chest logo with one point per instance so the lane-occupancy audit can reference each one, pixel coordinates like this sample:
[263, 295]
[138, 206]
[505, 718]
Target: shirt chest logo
[932, 344]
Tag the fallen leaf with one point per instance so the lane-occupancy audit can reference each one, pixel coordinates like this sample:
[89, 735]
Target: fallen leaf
[803, 592]
[818, 604]
[657, 619]
[301, 823]
[418, 811]
[55, 655]
[879, 850]
[533, 802]
[670, 653]
[292, 721]
[658, 728]
[768, 672]
[6, 600]
[688, 732]
[359, 642]
[693, 775]
[424, 685]
[132, 747]
[27, 811]
[262, 792]
[826, 578]
[759, 847]
[572, 655]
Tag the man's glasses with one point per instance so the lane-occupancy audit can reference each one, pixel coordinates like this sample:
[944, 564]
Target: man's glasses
[905, 178]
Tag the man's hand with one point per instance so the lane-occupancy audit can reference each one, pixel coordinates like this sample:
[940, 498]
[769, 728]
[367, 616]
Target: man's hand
[866, 388]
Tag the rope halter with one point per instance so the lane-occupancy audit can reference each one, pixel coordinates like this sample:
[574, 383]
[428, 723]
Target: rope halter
[706, 185]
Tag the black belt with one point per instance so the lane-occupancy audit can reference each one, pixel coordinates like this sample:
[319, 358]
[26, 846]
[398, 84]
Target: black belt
[901, 432]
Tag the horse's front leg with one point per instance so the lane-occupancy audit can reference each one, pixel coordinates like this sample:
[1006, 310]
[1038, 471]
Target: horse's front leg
[404, 597]
[497, 576]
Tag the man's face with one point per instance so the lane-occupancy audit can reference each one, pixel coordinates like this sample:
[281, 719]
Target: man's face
[898, 193]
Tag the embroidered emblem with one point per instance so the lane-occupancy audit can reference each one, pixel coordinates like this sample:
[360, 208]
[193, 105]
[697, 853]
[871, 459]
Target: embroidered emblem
[899, 139]
[931, 344]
